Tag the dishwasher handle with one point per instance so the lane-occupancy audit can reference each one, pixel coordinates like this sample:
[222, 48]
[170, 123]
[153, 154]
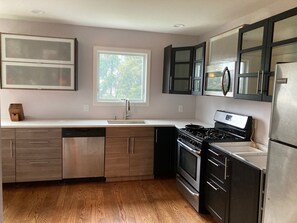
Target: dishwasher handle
[83, 132]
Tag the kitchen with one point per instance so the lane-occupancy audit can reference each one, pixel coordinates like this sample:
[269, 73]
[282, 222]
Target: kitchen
[49, 107]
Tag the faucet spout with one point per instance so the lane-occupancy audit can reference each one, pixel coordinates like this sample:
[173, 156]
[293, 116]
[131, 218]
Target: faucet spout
[127, 108]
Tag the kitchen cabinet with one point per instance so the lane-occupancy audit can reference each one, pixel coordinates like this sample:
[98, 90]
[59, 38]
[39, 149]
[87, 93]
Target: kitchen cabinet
[261, 46]
[198, 70]
[8, 155]
[35, 62]
[217, 184]
[245, 192]
[183, 69]
[129, 152]
[165, 152]
[38, 154]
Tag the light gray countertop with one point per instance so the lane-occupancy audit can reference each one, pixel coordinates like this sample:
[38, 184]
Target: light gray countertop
[76, 123]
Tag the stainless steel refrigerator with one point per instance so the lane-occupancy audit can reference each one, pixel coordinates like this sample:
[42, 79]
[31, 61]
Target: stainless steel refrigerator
[281, 183]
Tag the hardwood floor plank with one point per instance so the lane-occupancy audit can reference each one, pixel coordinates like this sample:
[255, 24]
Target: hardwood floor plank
[147, 201]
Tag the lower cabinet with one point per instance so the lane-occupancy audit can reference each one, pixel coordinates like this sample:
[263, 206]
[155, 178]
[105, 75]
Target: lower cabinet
[8, 155]
[38, 154]
[217, 184]
[245, 193]
[129, 152]
[233, 188]
[165, 152]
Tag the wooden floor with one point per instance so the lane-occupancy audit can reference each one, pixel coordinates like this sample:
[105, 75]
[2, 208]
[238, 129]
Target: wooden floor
[136, 201]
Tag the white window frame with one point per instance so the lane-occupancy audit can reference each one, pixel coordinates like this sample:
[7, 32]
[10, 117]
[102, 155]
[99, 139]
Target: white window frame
[145, 52]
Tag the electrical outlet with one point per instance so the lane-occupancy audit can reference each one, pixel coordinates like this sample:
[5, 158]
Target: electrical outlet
[86, 108]
[180, 108]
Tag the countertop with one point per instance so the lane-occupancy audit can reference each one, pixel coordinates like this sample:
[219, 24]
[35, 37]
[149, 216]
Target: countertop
[254, 154]
[76, 123]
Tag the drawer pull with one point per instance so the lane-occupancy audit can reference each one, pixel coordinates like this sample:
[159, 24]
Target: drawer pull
[38, 162]
[38, 142]
[212, 186]
[214, 163]
[213, 152]
[225, 172]
[38, 131]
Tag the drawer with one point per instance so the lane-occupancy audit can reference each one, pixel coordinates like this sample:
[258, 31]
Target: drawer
[7, 133]
[38, 170]
[29, 133]
[129, 131]
[216, 169]
[217, 154]
[216, 200]
[38, 152]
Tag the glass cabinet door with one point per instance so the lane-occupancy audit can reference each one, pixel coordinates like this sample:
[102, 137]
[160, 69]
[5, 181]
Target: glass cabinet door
[198, 69]
[34, 62]
[182, 70]
[251, 56]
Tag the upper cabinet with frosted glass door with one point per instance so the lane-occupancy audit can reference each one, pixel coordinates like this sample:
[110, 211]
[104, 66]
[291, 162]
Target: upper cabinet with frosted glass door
[260, 47]
[34, 62]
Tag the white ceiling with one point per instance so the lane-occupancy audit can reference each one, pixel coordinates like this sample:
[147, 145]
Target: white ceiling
[199, 16]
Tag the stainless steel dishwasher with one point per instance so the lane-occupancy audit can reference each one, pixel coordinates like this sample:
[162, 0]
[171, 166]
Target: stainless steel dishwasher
[83, 152]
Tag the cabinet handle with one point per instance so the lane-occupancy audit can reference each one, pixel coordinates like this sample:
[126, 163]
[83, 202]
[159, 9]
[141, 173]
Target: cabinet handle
[225, 171]
[38, 162]
[128, 145]
[38, 131]
[38, 142]
[258, 78]
[170, 83]
[213, 152]
[213, 187]
[262, 79]
[156, 139]
[11, 148]
[214, 163]
[133, 142]
[190, 83]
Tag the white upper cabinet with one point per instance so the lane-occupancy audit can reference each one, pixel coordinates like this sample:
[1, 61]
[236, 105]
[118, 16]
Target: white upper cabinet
[34, 62]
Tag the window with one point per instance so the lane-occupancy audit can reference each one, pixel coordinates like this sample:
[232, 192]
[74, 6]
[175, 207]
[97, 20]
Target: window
[121, 74]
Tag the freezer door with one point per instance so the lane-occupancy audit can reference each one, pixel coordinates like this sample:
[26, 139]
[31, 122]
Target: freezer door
[284, 121]
[281, 184]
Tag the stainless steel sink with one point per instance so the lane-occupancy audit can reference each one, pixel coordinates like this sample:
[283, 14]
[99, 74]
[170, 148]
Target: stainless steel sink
[119, 122]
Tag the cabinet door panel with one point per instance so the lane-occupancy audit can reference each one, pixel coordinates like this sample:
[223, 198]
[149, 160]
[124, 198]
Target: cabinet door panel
[117, 157]
[251, 62]
[283, 53]
[8, 160]
[142, 156]
[248, 85]
[181, 85]
[285, 29]
[253, 38]
[183, 56]
[182, 70]
[37, 170]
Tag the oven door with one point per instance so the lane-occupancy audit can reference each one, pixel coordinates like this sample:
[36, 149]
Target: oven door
[188, 164]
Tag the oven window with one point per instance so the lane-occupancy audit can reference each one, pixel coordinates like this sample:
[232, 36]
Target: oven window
[188, 162]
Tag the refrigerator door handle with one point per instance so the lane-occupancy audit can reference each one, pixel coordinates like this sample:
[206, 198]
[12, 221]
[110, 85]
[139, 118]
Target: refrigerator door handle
[281, 80]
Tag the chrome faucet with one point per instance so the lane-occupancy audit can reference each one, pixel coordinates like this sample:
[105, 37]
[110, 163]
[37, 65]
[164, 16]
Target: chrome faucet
[127, 108]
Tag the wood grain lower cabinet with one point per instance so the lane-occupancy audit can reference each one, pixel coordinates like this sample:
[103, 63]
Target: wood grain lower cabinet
[129, 152]
[8, 155]
[38, 154]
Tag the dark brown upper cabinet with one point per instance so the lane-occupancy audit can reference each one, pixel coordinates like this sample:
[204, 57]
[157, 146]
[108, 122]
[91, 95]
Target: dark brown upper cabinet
[260, 47]
[183, 69]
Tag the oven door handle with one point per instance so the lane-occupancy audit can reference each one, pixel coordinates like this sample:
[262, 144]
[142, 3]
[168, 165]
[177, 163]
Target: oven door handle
[193, 151]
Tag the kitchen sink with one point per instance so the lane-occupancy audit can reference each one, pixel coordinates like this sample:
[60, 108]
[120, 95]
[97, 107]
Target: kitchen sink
[119, 122]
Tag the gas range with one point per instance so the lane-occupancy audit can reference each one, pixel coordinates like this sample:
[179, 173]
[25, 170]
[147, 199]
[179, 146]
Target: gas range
[192, 143]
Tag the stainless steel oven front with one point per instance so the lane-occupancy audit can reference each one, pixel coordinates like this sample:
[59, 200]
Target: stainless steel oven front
[188, 172]
[189, 163]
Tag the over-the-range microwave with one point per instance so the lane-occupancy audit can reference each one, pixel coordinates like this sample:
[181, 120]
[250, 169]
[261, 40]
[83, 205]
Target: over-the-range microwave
[219, 79]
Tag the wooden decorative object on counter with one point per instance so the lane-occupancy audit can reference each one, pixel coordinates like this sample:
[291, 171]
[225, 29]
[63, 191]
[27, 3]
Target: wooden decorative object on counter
[16, 112]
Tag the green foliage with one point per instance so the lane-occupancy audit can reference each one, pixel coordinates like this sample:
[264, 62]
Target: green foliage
[120, 76]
